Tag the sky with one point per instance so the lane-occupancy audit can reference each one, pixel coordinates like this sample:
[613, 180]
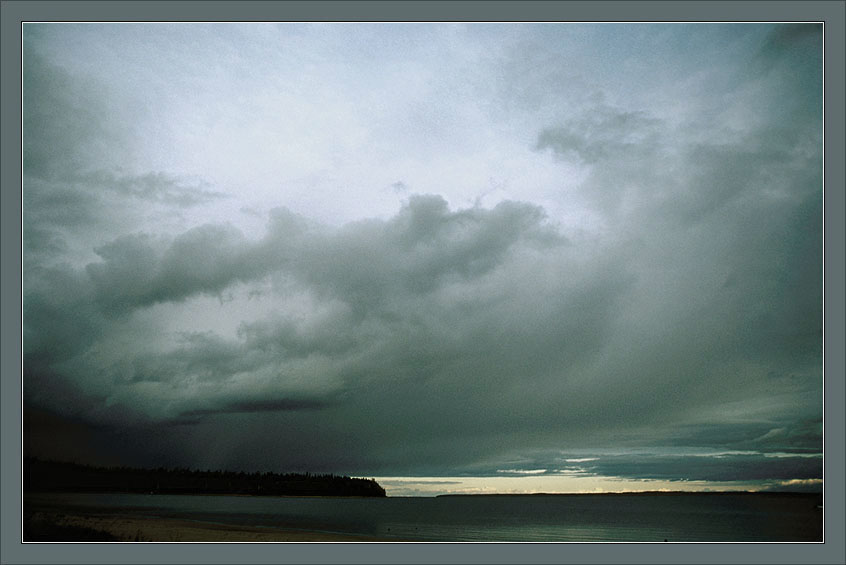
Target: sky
[459, 257]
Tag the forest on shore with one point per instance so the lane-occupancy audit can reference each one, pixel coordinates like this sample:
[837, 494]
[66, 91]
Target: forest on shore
[55, 476]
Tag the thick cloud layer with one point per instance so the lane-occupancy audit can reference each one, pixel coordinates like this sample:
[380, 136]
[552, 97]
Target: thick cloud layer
[637, 282]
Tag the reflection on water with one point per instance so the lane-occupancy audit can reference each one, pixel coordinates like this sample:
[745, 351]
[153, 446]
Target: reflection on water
[531, 518]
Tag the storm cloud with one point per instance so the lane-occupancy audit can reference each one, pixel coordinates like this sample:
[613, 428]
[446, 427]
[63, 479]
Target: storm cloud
[590, 258]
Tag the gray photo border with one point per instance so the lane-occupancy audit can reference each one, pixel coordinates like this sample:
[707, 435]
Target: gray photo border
[15, 11]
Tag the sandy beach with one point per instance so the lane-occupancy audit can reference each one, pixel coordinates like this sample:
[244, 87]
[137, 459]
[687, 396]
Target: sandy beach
[126, 528]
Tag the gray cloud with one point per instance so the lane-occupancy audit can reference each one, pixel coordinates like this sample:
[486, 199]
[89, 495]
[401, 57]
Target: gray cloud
[158, 188]
[60, 320]
[794, 435]
[61, 109]
[251, 406]
[395, 273]
[78, 144]
[674, 464]
[684, 314]
[137, 271]
[202, 356]
[602, 135]
[415, 315]
[420, 249]
[709, 468]
[791, 41]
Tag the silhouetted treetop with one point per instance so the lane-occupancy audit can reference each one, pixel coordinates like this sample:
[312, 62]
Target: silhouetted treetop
[63, 476]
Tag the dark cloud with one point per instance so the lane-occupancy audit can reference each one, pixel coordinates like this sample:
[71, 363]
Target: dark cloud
[60, 213]
[414, 316]
[729, 467]
[65, 111]
[138, 271]
[251, 406]
[66, 438]
[793, 435]
[424, 247]
[60, 320]
[201, 356]
[393, 274]
[685, 319]
[436, 326]
[792, 39]
[47, 389]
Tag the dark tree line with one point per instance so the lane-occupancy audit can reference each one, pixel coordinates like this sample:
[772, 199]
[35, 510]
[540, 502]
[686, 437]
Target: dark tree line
[41, 475]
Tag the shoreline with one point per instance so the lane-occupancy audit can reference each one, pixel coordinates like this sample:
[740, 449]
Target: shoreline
[43, 493]
[798, 515]
[123, 528]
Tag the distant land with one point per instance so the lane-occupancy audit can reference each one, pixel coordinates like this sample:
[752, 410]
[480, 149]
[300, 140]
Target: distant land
[649, 493]
[58, 476]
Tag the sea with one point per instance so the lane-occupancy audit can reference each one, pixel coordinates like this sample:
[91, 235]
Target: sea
[682, 517]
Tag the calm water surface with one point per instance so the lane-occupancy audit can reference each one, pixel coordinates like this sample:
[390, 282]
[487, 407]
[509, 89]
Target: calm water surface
[531, 518]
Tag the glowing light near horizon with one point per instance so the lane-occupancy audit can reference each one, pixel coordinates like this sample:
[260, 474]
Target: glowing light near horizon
[561, 484]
